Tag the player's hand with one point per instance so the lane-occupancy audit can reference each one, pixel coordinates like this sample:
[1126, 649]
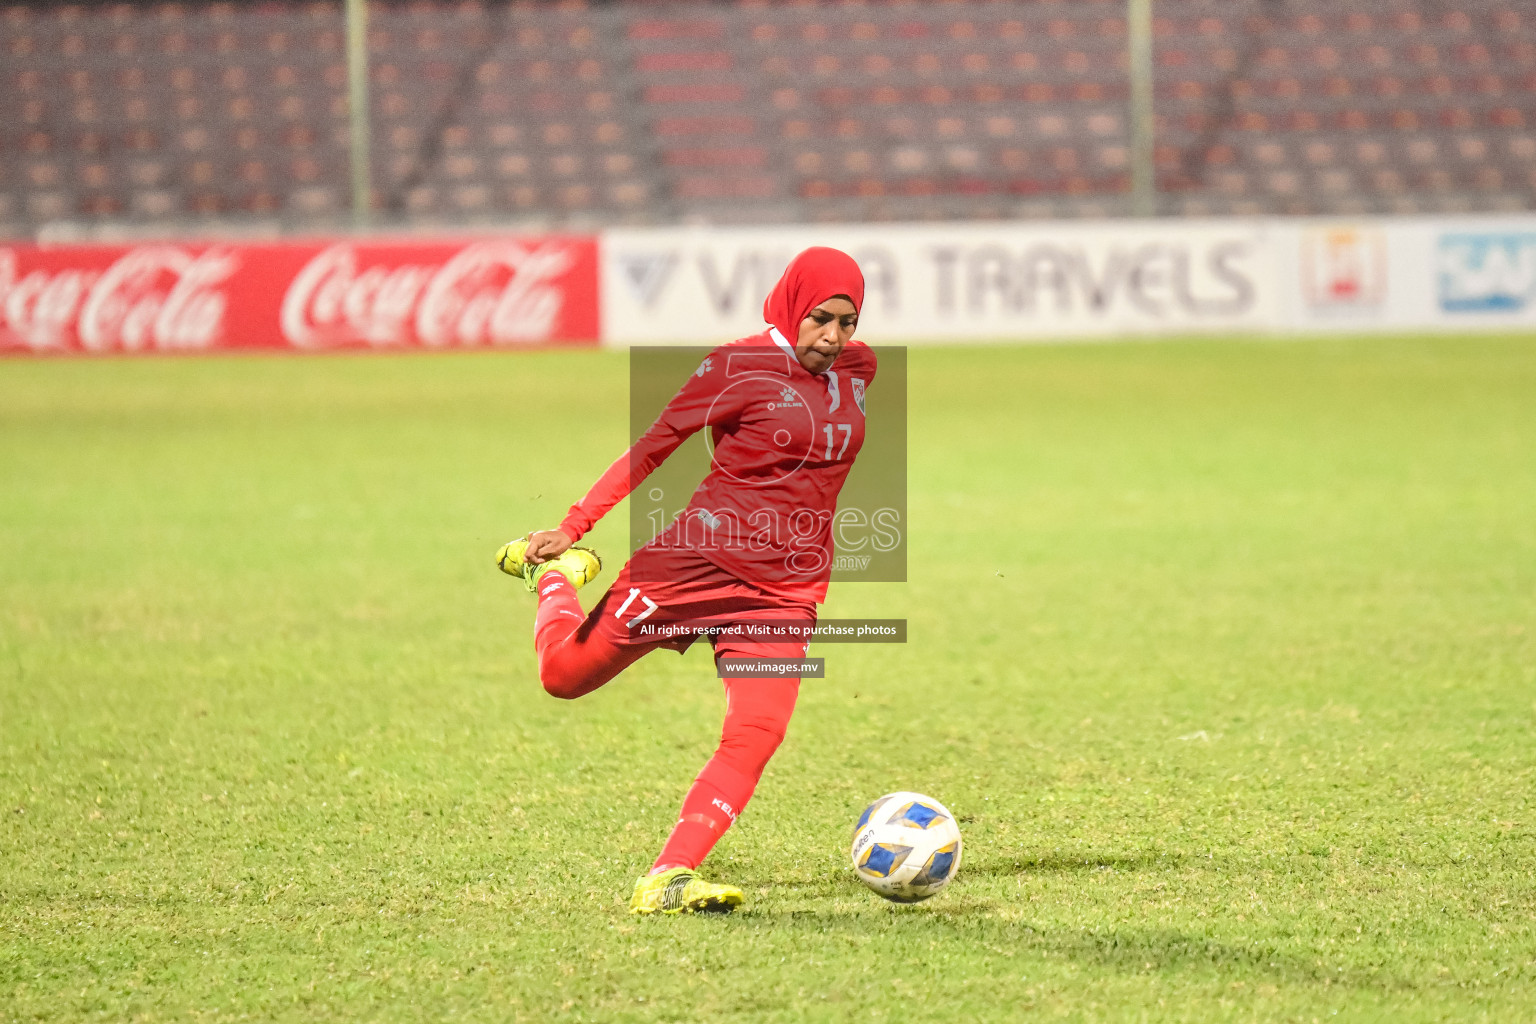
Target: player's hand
[546, 544]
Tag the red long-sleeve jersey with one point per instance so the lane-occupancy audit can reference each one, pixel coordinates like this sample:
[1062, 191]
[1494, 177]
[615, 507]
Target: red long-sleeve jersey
[783, 440]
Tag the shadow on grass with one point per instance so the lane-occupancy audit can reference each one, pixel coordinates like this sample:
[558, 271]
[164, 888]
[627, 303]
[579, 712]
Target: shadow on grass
[1140, 951]
[1057, 863]
[839, 903]
[977, 922]
[991, 867]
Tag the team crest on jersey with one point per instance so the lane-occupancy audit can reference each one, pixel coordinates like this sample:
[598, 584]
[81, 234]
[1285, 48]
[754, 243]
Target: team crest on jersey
[858, 395]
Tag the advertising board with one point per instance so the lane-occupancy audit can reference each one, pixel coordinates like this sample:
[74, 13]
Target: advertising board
[306, 296]
[951, 282]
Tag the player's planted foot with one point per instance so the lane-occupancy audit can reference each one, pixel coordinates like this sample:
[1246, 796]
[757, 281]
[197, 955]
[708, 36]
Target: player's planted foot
[579, 565]
[680, 891]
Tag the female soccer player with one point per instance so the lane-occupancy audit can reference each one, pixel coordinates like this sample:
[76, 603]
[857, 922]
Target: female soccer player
[754, 546]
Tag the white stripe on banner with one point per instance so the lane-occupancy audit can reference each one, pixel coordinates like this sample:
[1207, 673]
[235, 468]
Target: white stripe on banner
[1050, 280]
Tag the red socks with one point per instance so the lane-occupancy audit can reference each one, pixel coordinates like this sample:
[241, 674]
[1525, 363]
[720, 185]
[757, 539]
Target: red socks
[572, 661]
[559, 610]
[717, 796]
[757, 712]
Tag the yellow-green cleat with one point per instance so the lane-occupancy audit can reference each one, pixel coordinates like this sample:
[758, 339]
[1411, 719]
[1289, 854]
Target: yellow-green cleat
[680, 891]
[579, 565]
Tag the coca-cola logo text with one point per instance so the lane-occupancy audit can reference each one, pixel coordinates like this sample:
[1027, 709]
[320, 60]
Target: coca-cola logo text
[489, 293]
[157, 297]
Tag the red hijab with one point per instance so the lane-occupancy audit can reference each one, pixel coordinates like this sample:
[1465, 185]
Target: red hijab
[811, 278]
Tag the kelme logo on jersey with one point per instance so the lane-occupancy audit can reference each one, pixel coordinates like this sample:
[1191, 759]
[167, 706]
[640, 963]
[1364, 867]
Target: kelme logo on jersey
[789, 398]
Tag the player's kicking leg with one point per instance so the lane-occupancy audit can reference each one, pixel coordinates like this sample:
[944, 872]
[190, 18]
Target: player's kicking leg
[573, 660]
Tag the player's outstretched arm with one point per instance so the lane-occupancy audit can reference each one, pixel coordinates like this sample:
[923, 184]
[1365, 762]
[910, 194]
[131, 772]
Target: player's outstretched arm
[696, 405]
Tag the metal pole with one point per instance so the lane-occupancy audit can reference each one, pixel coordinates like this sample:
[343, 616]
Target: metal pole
[357, 110]
[1138, 20]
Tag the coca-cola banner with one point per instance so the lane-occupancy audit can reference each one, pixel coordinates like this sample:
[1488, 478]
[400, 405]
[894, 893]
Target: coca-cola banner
[168, 297]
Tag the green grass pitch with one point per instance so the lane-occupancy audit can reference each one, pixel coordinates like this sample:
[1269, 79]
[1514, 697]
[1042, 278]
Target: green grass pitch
[1224, 653]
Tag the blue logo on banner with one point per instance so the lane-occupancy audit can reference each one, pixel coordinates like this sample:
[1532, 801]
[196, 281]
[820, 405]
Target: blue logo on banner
[1487, 273]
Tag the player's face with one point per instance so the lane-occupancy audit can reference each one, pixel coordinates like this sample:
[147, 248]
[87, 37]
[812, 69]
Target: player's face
[824, 332]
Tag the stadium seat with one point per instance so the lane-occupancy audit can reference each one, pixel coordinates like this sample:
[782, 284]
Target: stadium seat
[772, 109]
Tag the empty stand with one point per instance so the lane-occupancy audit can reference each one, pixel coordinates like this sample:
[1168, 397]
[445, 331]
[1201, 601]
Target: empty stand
[644, 112]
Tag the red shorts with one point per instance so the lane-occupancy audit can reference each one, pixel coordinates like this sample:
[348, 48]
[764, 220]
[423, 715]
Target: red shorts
[680, 590]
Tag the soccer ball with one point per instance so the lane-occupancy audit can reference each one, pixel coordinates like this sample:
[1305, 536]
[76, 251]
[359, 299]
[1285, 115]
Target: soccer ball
[906, 847]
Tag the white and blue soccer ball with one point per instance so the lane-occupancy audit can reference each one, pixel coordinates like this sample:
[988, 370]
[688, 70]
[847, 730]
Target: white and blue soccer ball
[906, 847]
